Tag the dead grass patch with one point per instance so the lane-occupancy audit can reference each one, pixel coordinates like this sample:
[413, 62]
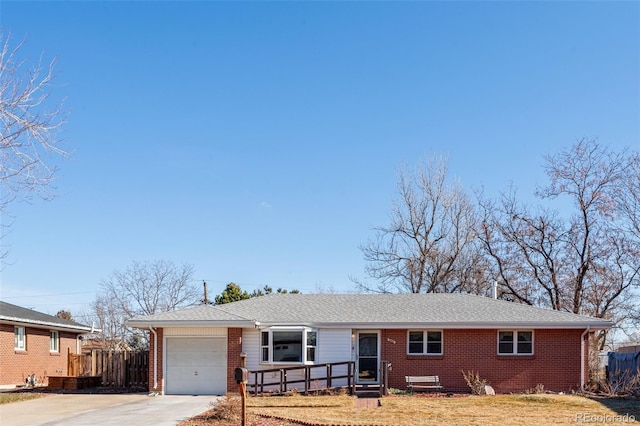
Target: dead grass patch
[472, 410]
[9, 397]
[467, 410]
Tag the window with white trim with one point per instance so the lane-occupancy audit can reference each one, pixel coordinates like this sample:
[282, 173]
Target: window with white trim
[424, 342]
[19, 339]
[515, 342]
[54, 341]
[288, 345]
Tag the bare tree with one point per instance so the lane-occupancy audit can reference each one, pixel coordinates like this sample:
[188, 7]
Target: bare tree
[585, 263]
[31, 124]
[64, 315]
[431, 244]
[143, 289]
[629, 196]
[629, 209]
[111, 323]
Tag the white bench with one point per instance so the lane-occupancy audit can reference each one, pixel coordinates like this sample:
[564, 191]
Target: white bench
[423, 382]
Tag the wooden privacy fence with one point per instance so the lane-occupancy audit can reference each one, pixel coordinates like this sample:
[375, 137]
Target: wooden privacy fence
[116, 368]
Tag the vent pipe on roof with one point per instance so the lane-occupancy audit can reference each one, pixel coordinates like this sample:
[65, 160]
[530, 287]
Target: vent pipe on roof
[495, 290]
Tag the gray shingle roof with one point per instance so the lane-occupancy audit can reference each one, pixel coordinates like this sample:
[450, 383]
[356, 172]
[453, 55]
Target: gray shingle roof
[18, 314]
[377, 310]
[195, 314]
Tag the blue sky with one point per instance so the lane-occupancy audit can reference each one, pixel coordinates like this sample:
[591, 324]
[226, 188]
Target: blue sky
[260, 141]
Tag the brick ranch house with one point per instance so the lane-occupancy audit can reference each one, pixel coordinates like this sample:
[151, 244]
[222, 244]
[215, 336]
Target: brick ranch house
[513, 346]
[33, 343]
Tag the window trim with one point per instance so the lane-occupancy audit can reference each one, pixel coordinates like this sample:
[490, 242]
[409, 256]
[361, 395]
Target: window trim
[54, 337]
[17, 338]
[425, 345]
[304, 347]
[515, 351]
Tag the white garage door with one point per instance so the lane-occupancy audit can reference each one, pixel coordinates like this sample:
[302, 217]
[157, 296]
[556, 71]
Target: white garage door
[196, 366]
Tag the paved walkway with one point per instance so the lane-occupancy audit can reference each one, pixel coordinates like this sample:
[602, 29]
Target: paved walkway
[366, 403]
[104, 409]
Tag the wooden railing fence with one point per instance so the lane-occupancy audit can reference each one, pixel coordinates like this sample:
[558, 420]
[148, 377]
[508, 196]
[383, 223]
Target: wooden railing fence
[281, 380]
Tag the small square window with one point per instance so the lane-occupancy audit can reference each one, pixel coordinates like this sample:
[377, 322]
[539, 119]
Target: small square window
[434, 342]
[505, 342]
[19, 339]
[425, 343]
[416, 342]
[515, 342]
[54, 342]
[312, 336]
[264, 344]
[525, 342]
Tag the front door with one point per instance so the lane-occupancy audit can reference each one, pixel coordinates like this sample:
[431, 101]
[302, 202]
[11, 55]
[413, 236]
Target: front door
[368, 357]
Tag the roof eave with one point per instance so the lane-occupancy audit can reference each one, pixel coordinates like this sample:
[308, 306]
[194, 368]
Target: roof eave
[191, 323]
[46, 324]
[595, 325]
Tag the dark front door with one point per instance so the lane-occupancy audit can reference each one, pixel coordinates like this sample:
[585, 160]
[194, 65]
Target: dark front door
[368, 357]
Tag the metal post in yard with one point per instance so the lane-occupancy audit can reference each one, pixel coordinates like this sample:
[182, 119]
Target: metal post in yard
[243, 389]
[385, 378]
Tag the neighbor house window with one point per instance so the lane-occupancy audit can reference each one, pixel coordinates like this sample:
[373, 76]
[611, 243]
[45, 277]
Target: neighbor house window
[515, 342]
[425, 342]
[19, 339]
[290, 345]
[54, 342]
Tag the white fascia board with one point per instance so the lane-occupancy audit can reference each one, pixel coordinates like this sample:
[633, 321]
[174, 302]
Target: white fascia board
[45, 324]
[195, 323]
[596, 325]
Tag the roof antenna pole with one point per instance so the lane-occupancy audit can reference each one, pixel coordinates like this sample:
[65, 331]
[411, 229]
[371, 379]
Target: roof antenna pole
[206, 298]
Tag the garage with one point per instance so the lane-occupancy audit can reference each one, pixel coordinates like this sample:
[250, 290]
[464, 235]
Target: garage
[196, 366]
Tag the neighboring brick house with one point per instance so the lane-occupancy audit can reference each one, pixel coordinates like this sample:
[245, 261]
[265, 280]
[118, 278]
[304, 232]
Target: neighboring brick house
[33, 343]
[513, 346]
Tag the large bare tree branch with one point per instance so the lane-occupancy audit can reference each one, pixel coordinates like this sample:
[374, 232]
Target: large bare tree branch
[430, 244]
[30, 125]
[144, 288]
[587, 263]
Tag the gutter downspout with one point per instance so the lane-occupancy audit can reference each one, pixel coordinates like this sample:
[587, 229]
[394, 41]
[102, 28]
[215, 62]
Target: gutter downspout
[155, 358]
[582, 357]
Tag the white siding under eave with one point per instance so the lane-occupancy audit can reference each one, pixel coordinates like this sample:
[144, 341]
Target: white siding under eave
[251, 347]
[195, 332]
[332, 346]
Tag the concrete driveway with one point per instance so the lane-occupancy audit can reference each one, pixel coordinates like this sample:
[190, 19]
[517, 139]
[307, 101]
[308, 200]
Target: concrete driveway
[104, 409]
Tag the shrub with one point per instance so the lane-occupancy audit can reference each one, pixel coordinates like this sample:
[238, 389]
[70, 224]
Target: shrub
[622, 383]
[394, 391]
[475, 383]
[537, 390]
[227, 409]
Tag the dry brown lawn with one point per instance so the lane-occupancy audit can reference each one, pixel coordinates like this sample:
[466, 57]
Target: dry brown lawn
[538, 409]
[9, 397]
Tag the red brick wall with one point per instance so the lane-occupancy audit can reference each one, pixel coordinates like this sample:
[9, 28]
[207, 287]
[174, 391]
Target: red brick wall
[17, 365]
[234, 348]
[555, 363]
[152, 361]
